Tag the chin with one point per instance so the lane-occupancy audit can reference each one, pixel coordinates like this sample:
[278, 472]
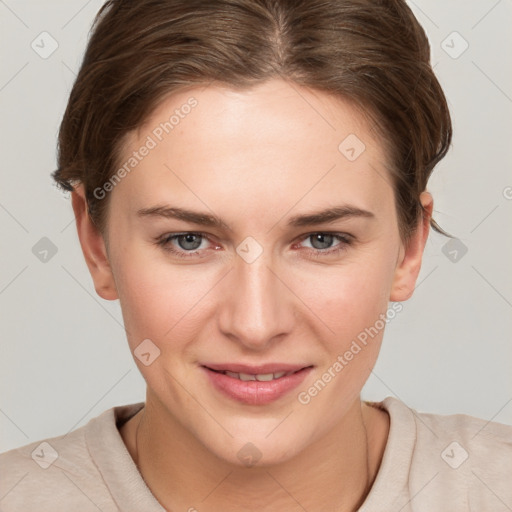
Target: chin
[254, 454]
[252, 447]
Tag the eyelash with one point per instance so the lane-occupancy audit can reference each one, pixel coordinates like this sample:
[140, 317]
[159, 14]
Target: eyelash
[165, 242]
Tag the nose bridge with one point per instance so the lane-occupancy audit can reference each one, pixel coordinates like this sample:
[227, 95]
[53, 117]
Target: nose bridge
[256, 308]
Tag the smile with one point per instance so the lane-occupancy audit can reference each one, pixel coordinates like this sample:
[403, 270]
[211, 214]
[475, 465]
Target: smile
[261, 377]
[260, 387]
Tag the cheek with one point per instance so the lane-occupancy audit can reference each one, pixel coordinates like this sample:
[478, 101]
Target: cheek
[352, 301]
[352, 296]
[353, 305]
[157, 299]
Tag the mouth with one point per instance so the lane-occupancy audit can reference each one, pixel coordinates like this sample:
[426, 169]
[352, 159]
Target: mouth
[255, 385]
[261, 377]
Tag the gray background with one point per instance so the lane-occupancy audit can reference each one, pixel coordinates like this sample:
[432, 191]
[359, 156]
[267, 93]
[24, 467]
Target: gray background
[65, 358]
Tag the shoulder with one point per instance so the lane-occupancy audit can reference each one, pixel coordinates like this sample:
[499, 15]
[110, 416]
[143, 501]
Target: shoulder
[58, 473]
[463, 438]
[460, 459]
[45, 472]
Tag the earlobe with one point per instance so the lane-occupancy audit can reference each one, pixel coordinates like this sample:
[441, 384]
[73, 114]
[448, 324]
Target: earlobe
[410, 256]
[93, 247]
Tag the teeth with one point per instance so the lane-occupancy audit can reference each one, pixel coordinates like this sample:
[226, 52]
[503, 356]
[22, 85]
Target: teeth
[246, 376]
[265, 377]
[262, 377]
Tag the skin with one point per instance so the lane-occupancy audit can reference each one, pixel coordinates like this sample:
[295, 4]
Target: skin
[254, 158]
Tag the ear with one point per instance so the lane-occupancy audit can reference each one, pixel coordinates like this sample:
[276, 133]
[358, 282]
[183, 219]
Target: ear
[93, 247]
[409, 258]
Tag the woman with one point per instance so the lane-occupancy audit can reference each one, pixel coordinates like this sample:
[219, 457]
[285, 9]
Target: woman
[249, 179]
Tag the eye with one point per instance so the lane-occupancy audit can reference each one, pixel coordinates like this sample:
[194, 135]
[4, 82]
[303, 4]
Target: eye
[322, 243]
[188, 244]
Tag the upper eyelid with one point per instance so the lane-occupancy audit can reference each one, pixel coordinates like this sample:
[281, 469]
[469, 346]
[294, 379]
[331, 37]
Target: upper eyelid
[208, 235]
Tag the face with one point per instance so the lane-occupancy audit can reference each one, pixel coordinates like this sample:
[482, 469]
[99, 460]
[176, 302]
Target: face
[268, 287]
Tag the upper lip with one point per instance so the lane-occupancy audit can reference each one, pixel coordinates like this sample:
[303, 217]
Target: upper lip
[257, 369]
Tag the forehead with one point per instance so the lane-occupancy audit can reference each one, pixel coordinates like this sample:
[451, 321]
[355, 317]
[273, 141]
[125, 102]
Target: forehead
[270, 146]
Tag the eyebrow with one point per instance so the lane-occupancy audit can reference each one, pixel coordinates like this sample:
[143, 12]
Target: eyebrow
[205, 219]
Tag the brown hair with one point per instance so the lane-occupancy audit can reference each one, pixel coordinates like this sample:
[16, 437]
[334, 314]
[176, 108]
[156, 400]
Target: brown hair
[373, 53]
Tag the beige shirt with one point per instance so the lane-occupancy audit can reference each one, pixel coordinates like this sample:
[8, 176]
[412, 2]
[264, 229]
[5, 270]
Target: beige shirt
[431, 463]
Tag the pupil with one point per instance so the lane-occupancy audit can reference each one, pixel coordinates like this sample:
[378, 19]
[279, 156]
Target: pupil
[321, 238]
[189, 238]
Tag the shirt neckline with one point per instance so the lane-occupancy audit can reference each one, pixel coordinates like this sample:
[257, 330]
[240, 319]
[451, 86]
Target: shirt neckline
[118, 470]
[396, 461]
[130, 492]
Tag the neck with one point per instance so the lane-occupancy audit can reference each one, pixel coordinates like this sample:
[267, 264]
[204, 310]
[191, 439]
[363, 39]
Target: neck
[335, 472]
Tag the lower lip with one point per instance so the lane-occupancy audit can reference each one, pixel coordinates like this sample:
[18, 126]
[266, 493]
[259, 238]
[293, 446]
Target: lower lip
[254, 392]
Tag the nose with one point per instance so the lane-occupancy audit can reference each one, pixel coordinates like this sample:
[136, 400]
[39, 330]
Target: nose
[257, 308]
